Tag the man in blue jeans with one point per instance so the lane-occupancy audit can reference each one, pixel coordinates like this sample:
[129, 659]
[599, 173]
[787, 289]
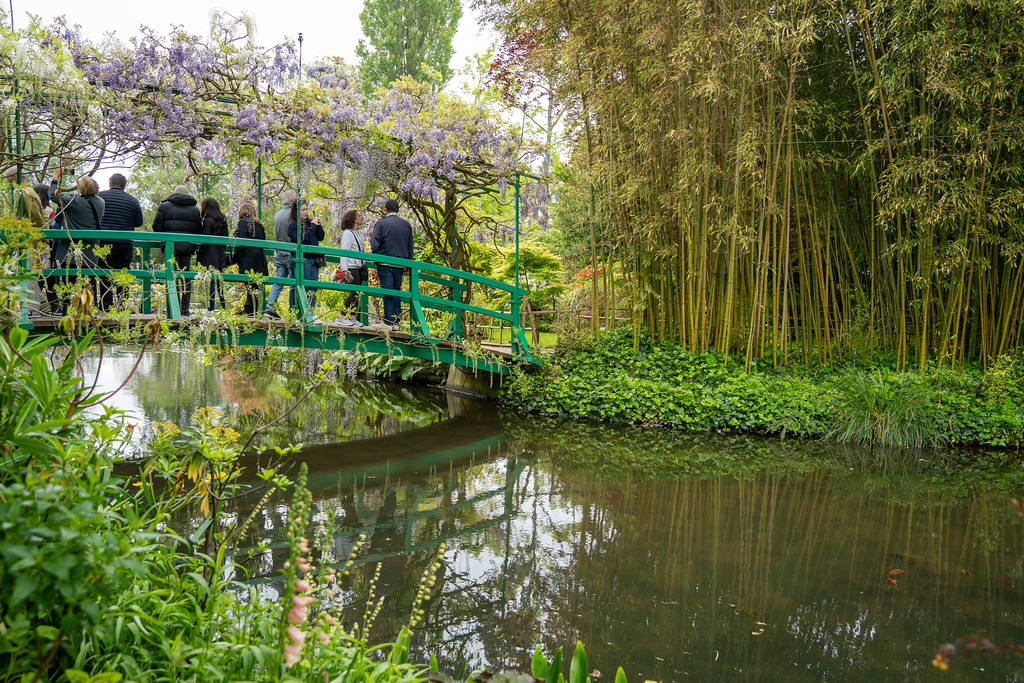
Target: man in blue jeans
[392, 236]
[282, 259]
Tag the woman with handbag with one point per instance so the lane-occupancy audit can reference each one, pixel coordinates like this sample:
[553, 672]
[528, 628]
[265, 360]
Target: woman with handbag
[350, 270]
[312, 234]
[250, 259]
[212, 256]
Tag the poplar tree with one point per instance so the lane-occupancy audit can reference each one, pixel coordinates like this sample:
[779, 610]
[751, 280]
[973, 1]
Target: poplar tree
[407, 38]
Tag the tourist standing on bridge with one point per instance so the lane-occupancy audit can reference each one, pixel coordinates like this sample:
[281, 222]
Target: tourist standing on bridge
[312, 234]
[25, 203]
[49, 283]
[353, 241]
[121, 212]
[250, 259]
[284, 261]
[82, 211]
[215, 224]
[179, 213]
[392, 236]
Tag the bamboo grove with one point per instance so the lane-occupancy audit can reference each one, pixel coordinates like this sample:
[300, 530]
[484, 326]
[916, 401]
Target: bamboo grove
[796, 180]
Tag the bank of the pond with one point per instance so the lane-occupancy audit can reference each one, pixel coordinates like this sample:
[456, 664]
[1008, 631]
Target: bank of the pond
[661, 384]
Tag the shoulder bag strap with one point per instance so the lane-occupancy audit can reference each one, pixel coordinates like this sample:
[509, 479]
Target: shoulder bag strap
[95, 216]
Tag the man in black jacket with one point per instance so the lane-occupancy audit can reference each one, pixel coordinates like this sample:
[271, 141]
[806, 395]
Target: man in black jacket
[179, 213]
[121, 212]
[392, 236]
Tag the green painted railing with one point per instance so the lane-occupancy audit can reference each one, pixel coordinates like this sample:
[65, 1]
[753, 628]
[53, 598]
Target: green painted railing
[456, 282]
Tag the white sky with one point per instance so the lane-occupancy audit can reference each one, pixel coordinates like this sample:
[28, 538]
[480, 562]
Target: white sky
[327, 28]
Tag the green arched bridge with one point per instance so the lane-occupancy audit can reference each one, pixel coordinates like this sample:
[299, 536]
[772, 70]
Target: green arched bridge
[435, 302]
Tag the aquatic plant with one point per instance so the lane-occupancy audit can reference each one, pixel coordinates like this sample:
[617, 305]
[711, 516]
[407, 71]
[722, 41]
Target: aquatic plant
[891, 410]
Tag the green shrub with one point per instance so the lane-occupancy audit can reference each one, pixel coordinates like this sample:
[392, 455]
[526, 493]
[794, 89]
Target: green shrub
[885, 410]
[642, 382]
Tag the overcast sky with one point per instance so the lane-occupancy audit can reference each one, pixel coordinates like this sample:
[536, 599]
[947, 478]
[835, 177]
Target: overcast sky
[327, 28]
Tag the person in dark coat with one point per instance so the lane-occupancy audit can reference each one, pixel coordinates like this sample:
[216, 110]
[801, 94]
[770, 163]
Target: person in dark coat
[81, 210]
[215, 224]
[312, 235]
[179, 213]
[392, 236]
[250, 259]
[48, 283]
[121, 211]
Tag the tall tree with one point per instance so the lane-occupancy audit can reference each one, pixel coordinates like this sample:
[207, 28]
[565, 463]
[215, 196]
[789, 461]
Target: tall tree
[407, 38]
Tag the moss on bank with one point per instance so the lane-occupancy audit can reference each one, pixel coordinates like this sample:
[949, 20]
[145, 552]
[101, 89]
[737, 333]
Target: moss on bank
[662, 384]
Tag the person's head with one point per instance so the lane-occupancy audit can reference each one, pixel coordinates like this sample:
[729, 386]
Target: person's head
[288, 197]
[391, 206]
[211, 207]
[87, 186]
[351, 220]
[306, 213]
[11, 174]
[180, 189]
[43, 190]
[118, 182]
[246, 210]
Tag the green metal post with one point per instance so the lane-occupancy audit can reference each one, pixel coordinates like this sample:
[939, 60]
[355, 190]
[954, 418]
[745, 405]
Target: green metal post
[147, 283]
[259, 188]
[514, 302]
[517, 230]
[173, 305]
[23, 287]
[300, 261]
[417, 321]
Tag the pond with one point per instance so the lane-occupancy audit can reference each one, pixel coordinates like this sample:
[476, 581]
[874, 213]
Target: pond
[767, 560]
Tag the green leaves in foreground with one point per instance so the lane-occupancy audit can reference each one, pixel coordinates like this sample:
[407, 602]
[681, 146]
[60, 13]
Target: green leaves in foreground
[540, 670]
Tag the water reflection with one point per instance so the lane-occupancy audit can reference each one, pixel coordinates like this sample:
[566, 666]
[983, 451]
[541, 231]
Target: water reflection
[754, 561]
[171, 384]
[770, 576]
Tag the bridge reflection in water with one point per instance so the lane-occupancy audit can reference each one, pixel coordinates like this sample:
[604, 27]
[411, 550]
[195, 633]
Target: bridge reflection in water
[407, 493]
[713, 577]
[774, 572]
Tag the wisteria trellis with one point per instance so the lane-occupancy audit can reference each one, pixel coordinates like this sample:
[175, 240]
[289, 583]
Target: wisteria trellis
[230, 100]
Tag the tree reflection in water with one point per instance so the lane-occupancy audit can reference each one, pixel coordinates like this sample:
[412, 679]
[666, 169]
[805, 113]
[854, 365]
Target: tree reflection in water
[784, 574]
[762, 559]
[172, 384]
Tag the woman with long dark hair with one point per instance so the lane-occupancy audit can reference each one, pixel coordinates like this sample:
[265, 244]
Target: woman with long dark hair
[212, 256]
[312, 233]
[353, 241]
[250, 259]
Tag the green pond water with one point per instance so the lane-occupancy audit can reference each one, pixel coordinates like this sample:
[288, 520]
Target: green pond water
[782, 570]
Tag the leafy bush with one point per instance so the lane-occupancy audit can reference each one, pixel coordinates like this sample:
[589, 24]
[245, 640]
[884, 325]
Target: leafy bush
[663, 384]
[93, 583]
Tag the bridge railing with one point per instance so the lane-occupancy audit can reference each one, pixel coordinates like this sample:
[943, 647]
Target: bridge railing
[457, 282]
